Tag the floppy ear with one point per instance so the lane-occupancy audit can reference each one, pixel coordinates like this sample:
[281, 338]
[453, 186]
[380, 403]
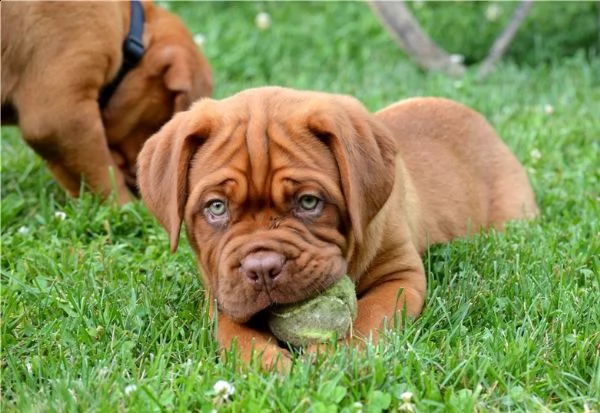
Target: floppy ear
[185, 76]
[163, 166]
[365, 153]
[177, 76]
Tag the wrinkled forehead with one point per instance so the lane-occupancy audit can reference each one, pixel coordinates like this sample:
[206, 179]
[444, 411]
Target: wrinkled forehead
[262, 141]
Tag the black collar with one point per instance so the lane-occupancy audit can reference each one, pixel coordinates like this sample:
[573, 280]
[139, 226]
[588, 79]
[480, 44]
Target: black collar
[133, 51]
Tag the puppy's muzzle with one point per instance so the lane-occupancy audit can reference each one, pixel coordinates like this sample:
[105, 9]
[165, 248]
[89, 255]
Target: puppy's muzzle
[262, 267]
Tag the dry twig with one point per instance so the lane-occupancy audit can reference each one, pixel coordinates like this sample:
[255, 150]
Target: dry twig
[501, 43]
[399, 21]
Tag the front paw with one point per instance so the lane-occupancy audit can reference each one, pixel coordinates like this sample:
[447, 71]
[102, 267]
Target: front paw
[315, 351]
[275, 358]
[327, 349]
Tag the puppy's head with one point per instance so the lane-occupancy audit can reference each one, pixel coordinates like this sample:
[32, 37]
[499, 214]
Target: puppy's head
[171, 75]
[275, 186]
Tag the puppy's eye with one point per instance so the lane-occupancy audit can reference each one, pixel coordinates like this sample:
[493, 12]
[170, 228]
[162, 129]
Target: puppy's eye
[308, 202]
[216, 207]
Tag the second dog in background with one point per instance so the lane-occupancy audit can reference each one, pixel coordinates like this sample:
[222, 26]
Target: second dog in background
[59, 58]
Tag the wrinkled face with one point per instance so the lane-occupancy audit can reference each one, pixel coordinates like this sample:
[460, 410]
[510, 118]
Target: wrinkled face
[266, 215]
[276, 187]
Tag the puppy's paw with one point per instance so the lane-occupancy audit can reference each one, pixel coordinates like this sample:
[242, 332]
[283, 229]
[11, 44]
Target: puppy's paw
[320, 351]
[277, 359]
[327, 349]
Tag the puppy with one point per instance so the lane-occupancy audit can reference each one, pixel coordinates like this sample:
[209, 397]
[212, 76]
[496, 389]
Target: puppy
[283, 192]
[57, 60]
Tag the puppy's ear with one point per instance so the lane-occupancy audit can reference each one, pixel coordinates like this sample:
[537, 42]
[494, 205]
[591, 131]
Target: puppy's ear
[186, 74]
[178, 79]
[365, 153]
[163, 166]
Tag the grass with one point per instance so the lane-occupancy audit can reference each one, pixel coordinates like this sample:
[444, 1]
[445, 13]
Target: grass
[97, 315]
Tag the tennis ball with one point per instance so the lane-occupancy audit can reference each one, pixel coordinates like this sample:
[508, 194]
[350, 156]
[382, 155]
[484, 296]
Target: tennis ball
[320, 319]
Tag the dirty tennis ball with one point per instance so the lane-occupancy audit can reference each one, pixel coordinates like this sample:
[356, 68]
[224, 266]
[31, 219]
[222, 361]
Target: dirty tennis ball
[320, 319]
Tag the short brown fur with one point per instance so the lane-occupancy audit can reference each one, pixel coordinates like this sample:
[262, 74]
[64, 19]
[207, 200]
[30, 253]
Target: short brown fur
[57, 56]
[422, 171]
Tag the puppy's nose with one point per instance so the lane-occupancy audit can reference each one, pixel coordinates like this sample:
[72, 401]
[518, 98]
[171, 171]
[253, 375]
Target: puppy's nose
[262, 265]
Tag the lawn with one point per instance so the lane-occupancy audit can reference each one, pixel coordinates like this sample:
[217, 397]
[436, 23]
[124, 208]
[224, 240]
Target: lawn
[97, 315]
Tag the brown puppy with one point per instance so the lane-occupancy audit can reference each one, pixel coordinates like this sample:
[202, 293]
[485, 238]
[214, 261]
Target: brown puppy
[56, 59]
[283, 192]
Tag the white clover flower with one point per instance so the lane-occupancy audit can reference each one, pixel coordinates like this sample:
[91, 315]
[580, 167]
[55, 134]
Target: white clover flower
[535, 154]
[164, 4]
[492, 12]
[406, 405]
[457, 58]
[130, 388]
[223, 391]
[357, 407]
[187, 364]
[263, 20]
[23, 230]
[60, 215]
[199, 39]
[548, 109]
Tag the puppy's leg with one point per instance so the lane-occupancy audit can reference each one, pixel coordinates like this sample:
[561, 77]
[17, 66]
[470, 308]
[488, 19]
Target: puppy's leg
[248, 341]
[401, 288]
[66, 130]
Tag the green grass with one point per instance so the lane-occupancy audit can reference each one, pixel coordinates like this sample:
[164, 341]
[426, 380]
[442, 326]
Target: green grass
[97, 315]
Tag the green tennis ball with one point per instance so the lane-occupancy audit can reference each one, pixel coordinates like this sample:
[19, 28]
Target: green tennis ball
[320, 319]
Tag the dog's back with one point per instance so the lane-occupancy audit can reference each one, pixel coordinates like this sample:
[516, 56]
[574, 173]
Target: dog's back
[35, 33]
[466, 178]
